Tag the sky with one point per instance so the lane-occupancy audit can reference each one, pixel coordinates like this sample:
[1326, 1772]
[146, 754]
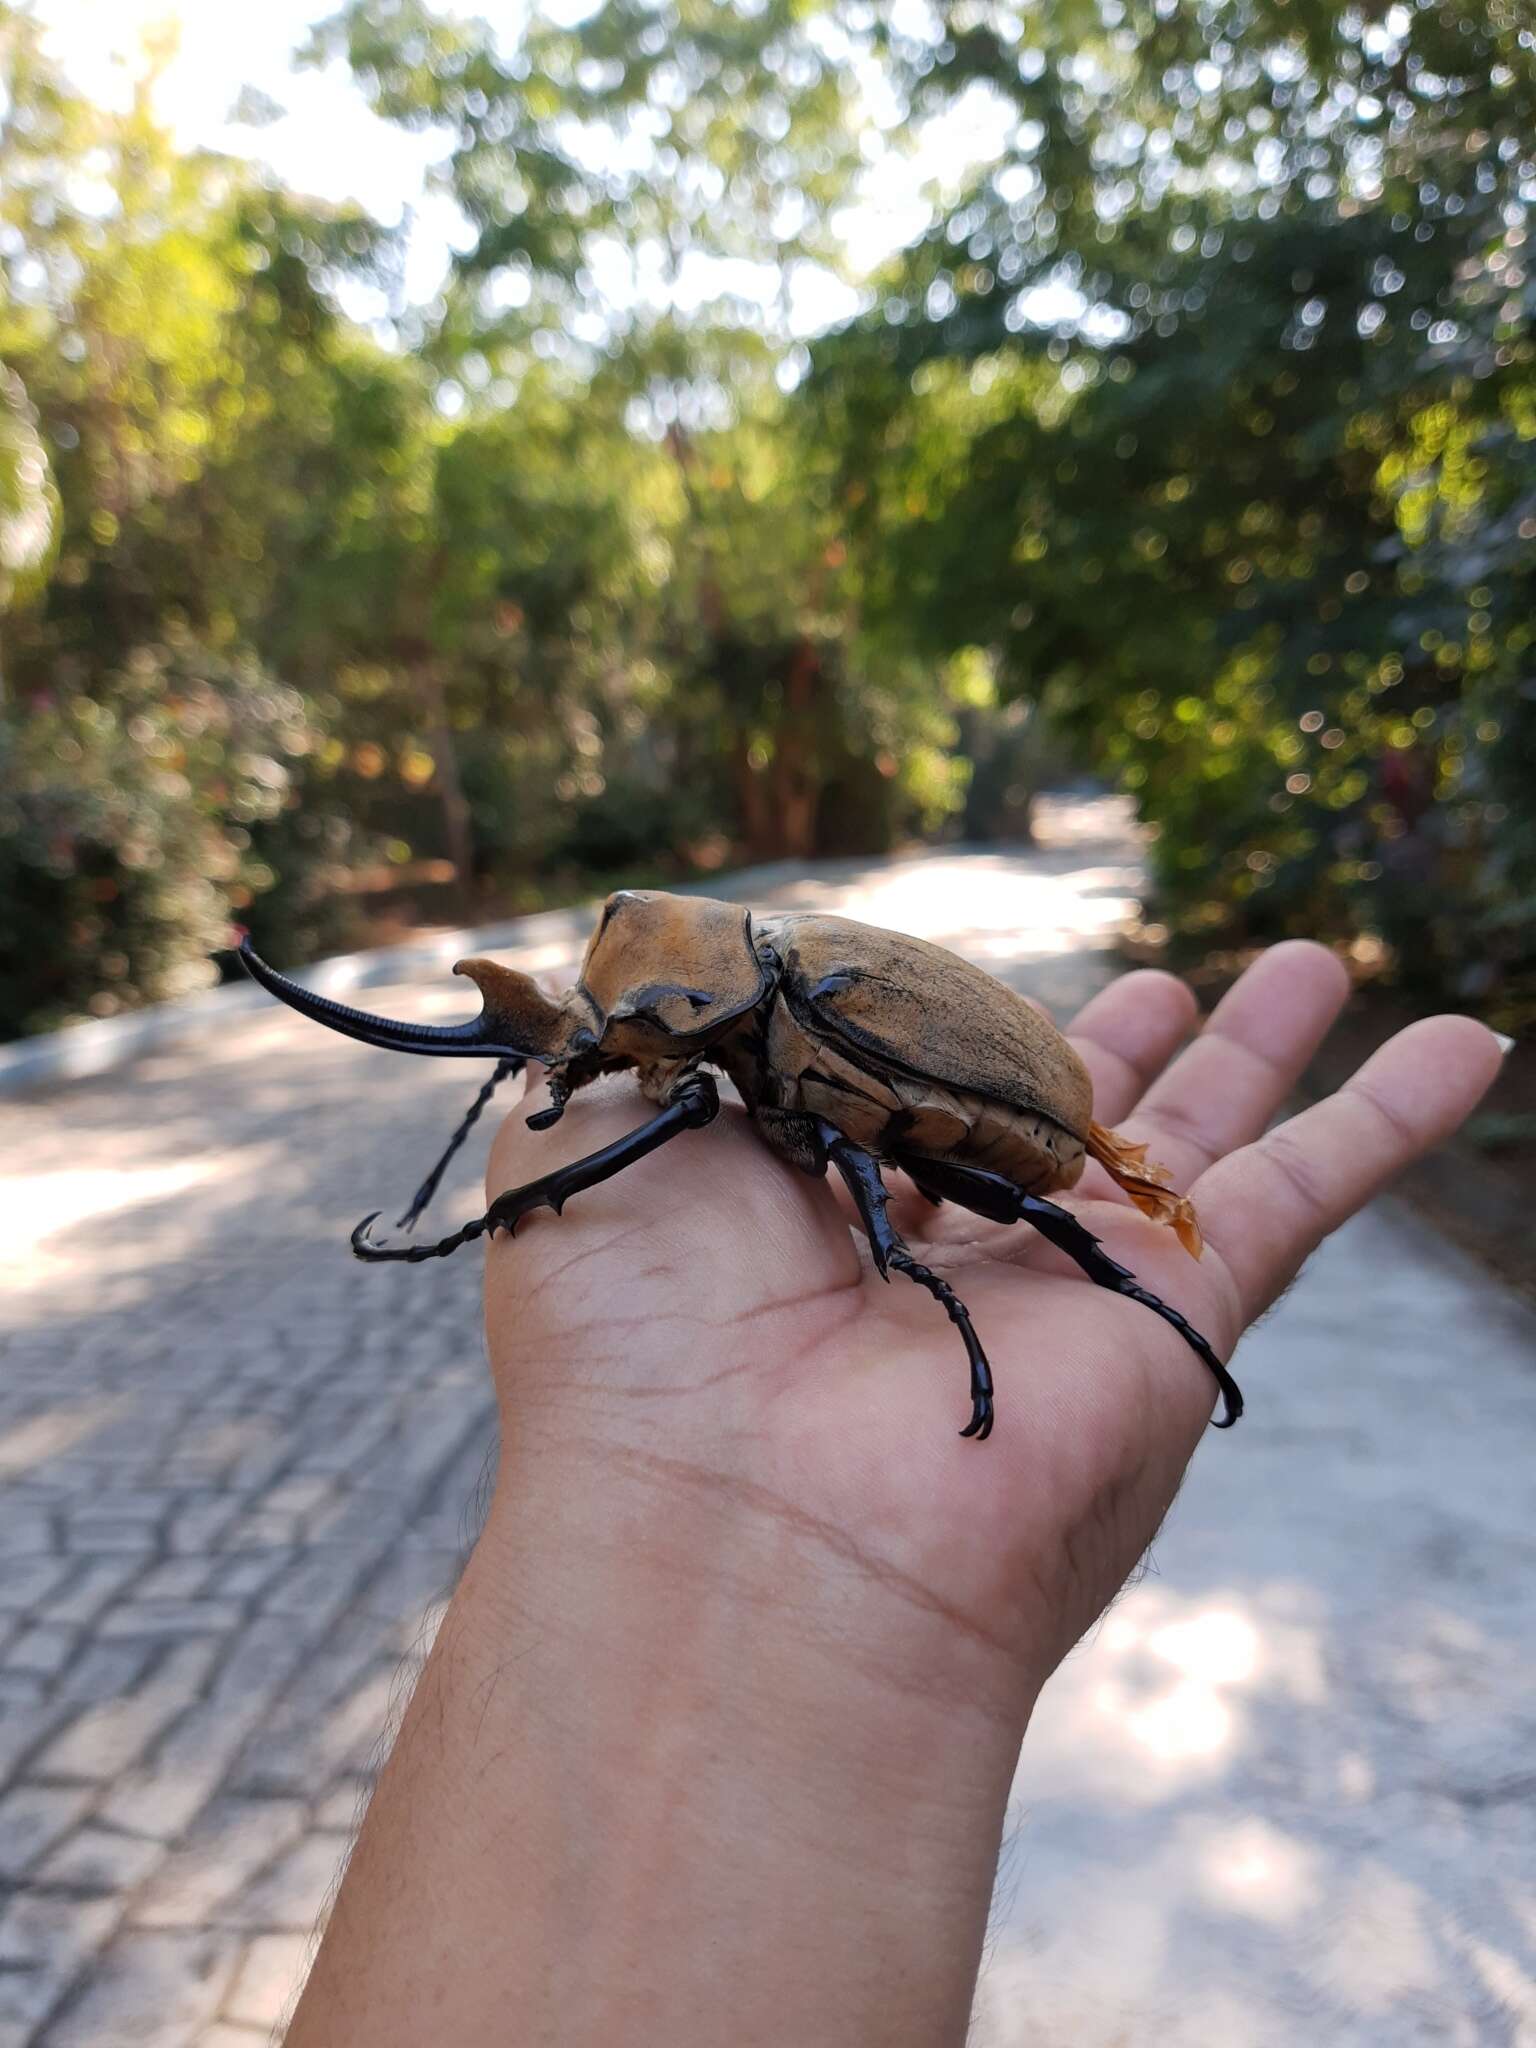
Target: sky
[329, 144]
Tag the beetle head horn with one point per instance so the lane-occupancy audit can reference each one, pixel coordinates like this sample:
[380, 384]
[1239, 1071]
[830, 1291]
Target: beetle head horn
[518, 1021]
[519, 1010]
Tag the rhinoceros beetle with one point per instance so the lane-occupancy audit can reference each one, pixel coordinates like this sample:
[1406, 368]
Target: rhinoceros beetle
[850, 1046]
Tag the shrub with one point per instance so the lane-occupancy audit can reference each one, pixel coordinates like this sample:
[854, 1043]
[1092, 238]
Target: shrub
[135, 823]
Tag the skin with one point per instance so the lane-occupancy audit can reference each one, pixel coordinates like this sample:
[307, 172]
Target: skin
[717, 1735]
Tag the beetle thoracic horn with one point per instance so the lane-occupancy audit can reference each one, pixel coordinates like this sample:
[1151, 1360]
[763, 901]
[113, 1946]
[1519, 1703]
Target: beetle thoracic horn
[469, 1040]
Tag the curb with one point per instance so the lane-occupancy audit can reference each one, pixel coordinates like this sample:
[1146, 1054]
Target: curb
[81, 1051]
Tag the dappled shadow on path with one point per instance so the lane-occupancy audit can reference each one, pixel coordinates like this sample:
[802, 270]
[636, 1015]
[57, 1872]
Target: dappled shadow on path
[1284, 1791]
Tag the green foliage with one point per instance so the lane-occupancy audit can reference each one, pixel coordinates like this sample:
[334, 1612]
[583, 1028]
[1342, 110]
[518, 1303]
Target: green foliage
[1197, 438]
[558, 588]
[171, 362]
[1211, 410]
[130, 822]
[29, 504]
[650, 135]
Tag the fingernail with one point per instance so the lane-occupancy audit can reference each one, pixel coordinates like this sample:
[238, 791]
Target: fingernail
[1505, 1044]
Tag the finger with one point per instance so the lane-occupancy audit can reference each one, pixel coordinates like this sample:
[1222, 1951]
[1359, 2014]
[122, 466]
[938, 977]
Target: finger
[1265, 1208]
[1128, 1033]
[1224, 1089]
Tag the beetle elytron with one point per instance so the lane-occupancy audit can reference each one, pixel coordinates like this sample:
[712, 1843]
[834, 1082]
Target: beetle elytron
[849, 1045]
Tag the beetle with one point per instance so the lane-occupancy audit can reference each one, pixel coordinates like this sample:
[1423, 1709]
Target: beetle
[851, 1047]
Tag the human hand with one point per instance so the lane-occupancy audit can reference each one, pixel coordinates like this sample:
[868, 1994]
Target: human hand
[716, 1738]
[708, 1324]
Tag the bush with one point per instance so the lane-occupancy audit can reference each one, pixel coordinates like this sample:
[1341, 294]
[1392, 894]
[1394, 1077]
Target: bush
[131, 831]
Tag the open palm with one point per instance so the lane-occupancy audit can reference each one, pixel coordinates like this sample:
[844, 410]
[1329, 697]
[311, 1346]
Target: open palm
[708, 1322]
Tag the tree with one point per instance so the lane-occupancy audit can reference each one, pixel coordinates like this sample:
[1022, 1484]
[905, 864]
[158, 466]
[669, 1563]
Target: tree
[613, 171]
[640, 190]
[1203, 409]
[161, 316]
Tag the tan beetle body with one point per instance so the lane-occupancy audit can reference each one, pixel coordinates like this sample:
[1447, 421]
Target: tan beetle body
[876, 1032]
[884, 1036]
[849, 1045]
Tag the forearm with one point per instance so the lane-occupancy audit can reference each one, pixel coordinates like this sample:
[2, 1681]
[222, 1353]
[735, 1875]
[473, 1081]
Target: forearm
[683, 1766]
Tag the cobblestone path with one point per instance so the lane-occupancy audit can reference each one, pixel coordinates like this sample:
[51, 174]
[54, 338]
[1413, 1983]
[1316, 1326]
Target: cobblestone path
[238, 1473]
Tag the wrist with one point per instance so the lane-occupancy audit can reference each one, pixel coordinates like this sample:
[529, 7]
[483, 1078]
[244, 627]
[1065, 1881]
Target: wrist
[725, 1733]
[650, 1565]
[684, 1765]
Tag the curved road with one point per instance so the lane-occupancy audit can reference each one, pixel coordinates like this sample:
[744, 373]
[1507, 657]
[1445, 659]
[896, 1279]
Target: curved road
[1287, 1793]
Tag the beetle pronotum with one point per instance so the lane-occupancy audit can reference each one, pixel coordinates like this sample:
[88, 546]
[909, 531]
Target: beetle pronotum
[850, 1046]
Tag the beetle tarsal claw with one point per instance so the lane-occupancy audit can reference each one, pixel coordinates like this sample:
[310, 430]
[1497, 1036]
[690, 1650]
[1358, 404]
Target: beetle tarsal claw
[980, 1424]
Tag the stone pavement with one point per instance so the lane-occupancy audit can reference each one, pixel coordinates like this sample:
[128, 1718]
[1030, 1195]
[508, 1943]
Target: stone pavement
[238, 1473]
[1286, 1793]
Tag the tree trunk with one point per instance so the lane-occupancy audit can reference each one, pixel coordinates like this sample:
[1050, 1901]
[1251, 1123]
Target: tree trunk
[796, 780]
[458, 822]
[752, 806]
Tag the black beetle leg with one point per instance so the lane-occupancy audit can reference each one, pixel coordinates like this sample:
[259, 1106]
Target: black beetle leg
[1068, 1235]
[989, 1194]
[861, 1171]
[433, 1181]
[559, 1096]
[695, 1102]
[980, 1425]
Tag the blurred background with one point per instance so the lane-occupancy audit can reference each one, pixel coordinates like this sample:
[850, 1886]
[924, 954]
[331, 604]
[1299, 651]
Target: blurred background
[1059, 478]
[451, 464]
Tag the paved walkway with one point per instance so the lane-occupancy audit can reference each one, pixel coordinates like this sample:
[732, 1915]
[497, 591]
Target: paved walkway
[238, 1473]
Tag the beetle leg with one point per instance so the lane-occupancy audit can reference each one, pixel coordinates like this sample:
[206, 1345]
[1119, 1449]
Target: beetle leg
[695, 1102]
[980, 1424]
[560, 1092]
[861, 1171]
[1069, 1235]
[433, 1181]
[989, 1194]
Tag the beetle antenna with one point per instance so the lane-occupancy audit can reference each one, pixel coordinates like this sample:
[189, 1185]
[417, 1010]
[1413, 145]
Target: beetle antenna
[433, 1181]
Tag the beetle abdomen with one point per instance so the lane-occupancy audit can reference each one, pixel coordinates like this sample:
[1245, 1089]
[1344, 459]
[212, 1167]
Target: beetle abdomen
[1033, 1151]
[808, 1072]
